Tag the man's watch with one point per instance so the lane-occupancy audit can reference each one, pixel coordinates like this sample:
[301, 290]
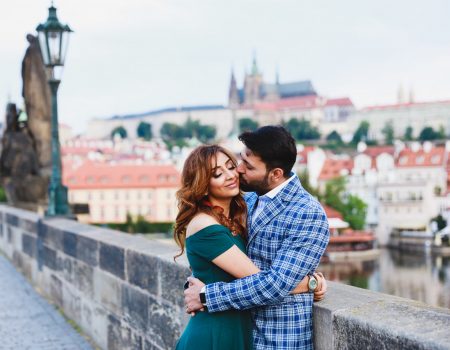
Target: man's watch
[312, 284]
[203, 296]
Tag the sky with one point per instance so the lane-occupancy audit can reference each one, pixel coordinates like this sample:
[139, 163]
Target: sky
[135, 56]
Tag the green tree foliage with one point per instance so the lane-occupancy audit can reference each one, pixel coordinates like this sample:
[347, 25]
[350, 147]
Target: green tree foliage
[388, 132]
[247, 124]
[408, 136]
[302, 130]
[144, 131]
[120, 130]
[352, 208]
[429, 134]
[3, 198]
[355, 211]
[175, 134]
[334, 137]
[362, 133]
[304, 179]
[440, 221]
[140, 225]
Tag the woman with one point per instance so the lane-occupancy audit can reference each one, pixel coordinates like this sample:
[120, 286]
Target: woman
[211, 224]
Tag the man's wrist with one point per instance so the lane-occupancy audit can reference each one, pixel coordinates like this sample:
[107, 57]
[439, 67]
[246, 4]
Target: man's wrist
[203, 296]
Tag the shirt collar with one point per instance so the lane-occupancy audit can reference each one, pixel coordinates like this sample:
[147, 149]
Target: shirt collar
[272, 193]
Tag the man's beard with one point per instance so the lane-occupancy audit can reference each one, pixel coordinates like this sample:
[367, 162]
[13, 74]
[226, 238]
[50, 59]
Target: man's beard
[260, 187]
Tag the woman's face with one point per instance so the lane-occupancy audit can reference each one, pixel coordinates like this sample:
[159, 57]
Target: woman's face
[224, 183]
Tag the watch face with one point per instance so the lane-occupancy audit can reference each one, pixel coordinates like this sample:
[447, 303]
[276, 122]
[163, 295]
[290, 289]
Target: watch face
[312, 284]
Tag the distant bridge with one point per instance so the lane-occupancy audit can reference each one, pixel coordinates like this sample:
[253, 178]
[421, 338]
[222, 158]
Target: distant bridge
[124, 292]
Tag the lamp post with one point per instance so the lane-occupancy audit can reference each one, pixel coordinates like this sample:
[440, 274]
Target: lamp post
[53, 40]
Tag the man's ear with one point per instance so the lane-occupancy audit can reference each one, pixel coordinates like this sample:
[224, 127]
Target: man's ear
[277, 174]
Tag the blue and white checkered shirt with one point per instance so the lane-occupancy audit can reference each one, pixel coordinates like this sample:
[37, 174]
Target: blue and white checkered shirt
[286, 241]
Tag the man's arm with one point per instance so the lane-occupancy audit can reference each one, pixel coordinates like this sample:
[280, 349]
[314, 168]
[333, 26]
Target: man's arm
[299, 255]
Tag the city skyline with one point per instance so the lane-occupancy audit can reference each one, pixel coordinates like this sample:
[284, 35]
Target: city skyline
[136, 57]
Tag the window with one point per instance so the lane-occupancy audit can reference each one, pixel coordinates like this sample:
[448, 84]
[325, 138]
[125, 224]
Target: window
[126, 179]
[403, 160]
[420, 160]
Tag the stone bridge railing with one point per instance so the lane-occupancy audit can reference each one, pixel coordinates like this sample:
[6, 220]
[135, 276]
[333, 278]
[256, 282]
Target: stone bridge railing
[125, 291]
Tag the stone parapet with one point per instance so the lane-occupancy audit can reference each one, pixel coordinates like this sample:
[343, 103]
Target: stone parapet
[125, 292]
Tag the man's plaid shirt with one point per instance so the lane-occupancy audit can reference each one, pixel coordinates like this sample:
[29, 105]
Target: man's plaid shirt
[286, 241]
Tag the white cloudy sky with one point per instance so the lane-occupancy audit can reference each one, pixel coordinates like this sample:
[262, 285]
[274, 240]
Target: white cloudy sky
[137, 55]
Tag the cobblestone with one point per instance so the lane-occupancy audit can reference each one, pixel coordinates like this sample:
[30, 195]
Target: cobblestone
[29, 322]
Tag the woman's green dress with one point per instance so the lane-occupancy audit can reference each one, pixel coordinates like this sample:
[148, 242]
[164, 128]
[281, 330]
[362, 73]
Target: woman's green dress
[227, 330]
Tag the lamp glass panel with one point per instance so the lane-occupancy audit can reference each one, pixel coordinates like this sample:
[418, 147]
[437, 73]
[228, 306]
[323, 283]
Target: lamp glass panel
[44, 49]
[54, 46]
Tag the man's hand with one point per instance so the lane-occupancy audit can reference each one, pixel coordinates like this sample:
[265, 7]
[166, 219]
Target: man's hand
[192, 296]
[321, 289]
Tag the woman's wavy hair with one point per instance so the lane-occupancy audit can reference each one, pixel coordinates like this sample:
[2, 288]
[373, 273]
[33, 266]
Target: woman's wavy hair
[192, 196]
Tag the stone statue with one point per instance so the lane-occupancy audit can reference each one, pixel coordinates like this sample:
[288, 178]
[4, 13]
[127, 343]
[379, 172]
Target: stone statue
[25, 161]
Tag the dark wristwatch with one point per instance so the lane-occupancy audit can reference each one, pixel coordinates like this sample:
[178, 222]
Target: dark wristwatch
[312, 284]
[203, 298]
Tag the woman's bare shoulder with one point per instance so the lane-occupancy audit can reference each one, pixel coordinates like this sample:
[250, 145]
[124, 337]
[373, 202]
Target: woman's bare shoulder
[199, 222]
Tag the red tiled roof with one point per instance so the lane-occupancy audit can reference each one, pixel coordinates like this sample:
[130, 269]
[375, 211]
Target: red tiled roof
[375, 151]
[436, 157]
[331, 212]
[302, 156]
[402, 105]
[332, 168]
[343, 101]
[101, 176]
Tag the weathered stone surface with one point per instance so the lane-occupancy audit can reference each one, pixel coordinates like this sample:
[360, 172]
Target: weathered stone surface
[49, 257]
[87, 250]
[56, 290]
[143, 271]
[51, 237]
[108, 291]
[164, 326]
[29, 245]
[135, 307]
[173, 277]
[69, 243]
[12, 220]
[112, 259]
[37, 96]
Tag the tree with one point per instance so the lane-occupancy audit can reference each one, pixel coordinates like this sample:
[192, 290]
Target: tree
[388, 132]
[408, 136]
[206, 133]
[428, 134]
[171, 132]
[362, 133]
[247, 124]
[334, 137]
[144, 131]
[355, 211]
[352, 208]
[120, 130]
[302, 129]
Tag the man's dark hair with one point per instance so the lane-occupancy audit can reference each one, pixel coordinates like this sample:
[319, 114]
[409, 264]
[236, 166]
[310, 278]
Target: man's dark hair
[274, 145]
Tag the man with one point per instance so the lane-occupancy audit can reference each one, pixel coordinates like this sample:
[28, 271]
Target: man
[288, 233]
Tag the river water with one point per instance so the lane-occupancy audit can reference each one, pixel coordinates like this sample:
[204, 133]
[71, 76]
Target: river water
[419, 276]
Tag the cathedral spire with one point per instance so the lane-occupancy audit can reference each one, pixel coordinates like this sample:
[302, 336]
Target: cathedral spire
[233, 94]
[254, 65]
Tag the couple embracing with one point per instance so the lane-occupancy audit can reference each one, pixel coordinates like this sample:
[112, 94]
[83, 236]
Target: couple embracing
[253, 258]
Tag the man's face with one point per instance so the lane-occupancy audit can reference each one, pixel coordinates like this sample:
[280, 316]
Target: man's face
[253, 174]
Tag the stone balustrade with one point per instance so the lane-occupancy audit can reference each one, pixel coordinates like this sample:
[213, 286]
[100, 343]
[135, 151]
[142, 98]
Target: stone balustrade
[125, 291]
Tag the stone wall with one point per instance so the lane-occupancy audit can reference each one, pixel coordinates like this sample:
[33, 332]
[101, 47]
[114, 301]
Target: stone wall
[125, 291]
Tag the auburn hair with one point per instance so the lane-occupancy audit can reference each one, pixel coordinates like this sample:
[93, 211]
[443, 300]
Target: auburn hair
[192, 196]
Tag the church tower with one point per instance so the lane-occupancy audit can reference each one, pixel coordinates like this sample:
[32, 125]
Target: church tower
[233, 93]
[252, 85]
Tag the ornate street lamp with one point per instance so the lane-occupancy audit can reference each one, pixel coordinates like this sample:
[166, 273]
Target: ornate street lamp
[53, 40]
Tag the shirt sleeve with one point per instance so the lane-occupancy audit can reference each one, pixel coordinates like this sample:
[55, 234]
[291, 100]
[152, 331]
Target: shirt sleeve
[298, 255]
[210, 242]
